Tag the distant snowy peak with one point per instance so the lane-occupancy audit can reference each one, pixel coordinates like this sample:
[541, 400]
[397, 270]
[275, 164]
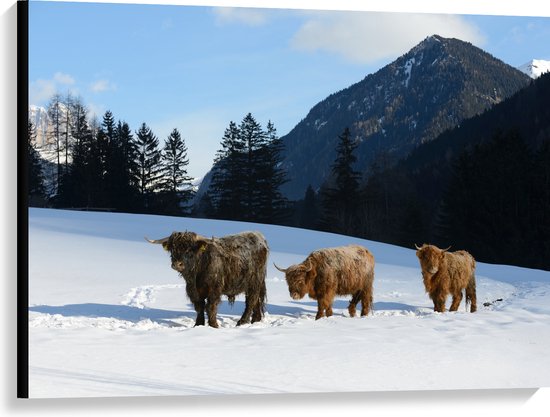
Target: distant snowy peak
[39, 118]
[535, 68]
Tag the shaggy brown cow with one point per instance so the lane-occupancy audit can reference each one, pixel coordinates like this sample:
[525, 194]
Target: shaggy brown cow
[228, 265]
[448, 273]
[328, 272]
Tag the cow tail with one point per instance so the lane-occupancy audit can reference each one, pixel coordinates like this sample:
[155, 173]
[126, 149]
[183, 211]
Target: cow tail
[263, 297]
[471, 297]
[263, 291]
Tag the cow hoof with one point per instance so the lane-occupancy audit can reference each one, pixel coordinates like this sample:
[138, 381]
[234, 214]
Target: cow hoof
[214, 325]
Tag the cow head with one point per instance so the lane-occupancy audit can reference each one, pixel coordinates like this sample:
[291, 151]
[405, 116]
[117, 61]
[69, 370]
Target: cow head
[430, 257]
[185, 249]
[299, 278]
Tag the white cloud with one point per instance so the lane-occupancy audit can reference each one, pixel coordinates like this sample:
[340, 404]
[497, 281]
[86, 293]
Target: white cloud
[64, 79]
[102, 85]
[246, 16]
[41, 90]
[366, 38]
[95, 110]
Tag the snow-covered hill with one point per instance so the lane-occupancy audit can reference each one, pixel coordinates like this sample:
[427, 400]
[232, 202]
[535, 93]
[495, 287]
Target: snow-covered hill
[109, 317]
[535, 68]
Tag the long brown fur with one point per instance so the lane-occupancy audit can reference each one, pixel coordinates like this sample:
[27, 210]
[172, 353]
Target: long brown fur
[329, 272]
[447, 273]
[228, 265]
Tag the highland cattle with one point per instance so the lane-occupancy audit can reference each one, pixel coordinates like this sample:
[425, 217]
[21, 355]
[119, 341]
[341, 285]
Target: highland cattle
[212, 267]
[329, 272]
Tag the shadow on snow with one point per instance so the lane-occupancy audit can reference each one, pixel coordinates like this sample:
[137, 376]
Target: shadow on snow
[135, 314]
[381, 305]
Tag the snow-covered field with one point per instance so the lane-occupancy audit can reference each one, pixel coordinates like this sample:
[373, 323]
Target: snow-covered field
[109, 317]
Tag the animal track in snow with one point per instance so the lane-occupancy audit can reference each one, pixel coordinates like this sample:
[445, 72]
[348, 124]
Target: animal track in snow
[140, 296]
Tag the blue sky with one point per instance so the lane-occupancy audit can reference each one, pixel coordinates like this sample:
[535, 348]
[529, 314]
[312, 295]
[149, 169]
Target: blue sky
[198, 68]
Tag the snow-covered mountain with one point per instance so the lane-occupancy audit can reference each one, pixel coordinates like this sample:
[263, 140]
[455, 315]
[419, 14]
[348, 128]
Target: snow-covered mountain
[535, 68]
[39, 118]
[43, 125]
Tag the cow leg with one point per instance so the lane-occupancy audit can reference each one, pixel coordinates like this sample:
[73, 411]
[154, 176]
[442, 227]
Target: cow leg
[257, 313]
[258, 309]
[439, 303]
[199, 308]
[366, 303]
[324, 304]
[212, 309]
[249, 302]
[471, 295]
[353, 303]
[457, 298]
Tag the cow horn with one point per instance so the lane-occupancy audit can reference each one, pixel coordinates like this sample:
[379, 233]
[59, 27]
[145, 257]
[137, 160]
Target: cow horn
[417, 247]
[159, 241]
[445, 250]
[280, 269]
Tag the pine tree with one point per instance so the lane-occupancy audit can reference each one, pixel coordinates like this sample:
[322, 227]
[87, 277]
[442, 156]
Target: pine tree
[102, 164]
[487, 208]
[120, 179]
[254, 140]
[271, 206]
[82, 176]
[340, 200]
[204, 207]
[247, 174]
[128, 148]
[55, 114]
[540, 203]
[227, 187]
[37, 190]
[176, 184]
[309, 215]
[67, 127]
[148, 163]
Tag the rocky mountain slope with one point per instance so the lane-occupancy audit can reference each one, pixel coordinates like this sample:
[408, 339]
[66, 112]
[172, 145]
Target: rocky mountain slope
[431, 88]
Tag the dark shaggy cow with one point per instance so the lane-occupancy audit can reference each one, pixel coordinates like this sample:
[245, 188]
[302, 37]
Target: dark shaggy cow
[228, 265]
[448, 273]
[329, 272]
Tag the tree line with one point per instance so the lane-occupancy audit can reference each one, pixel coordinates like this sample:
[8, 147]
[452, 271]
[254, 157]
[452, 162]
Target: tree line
[247, 175]
[105, 166]
[491, 198]
[483, 186]
[495, 202]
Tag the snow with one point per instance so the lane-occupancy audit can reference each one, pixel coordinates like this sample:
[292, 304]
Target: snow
[408, 68]
[109, 317]
[535, 68]
[319, 124]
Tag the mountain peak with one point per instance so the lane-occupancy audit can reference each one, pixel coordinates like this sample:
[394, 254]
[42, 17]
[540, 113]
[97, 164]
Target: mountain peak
[535, 68]
[431, 88]
[437, 40]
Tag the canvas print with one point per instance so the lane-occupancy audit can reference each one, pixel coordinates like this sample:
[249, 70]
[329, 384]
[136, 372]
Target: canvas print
[233, 200]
